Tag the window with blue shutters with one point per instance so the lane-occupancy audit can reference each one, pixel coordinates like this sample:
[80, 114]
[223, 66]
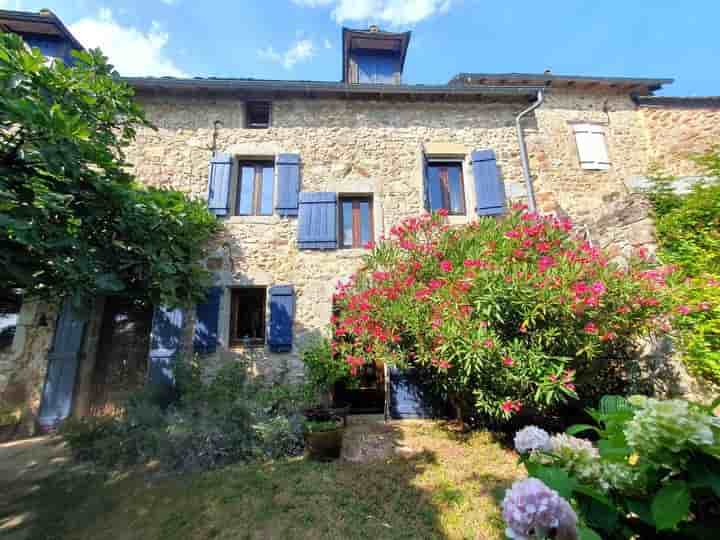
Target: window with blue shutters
[247, 320]
[207, 317]
[219, 184]
[288, 169]
[282, 315]
[489, 187]
[317, 220]
[444, 188]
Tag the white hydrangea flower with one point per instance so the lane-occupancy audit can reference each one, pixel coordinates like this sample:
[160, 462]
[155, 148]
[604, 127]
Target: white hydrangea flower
[532, 438]
[668, 426]
[562, 443]
[533, 510]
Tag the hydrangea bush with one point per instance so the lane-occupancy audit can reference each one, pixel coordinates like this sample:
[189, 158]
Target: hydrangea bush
[654, 472]
[500, 315]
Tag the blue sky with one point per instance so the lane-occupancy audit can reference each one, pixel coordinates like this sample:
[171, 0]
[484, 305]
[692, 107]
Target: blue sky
[300, 39]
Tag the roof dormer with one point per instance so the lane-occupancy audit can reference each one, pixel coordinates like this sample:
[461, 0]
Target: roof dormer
[373, 57]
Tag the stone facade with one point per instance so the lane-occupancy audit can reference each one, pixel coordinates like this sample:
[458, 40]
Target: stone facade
[377, 147]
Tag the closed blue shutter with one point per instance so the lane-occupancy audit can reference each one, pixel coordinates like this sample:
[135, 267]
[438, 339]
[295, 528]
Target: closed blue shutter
[63, 361]
[165, 344]
[282, 313]
[409, 396]
[288, 167]
[317, 222]
[207, 316]
[219, 184]
[489, 188]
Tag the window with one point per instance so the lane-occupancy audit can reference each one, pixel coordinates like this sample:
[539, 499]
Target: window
[445, 187]
[255, 189]
[356, 219]
[592, 147]
[257, 114]
[376, 66]
[10, 303]
[247, 321]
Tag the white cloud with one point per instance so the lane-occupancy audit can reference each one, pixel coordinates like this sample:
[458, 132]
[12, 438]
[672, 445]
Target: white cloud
[327, 44]
[301, 51]
[132, 51]
[11, 4]
[393, 12]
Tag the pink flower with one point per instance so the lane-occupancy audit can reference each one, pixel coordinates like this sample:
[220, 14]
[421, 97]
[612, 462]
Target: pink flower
[598, 288]
[381, 276]
[442, 212]
[422, 293]
[522, 328]
[683, 310]
[444, 364]
[542, 247]
[446, 266]
[704, 306]
[435, 284]
[510, 406]
[591, 328]
[507, 361]
[570, 386]
[489, 343]
[513, 234]
[369, 245]
[545, 262]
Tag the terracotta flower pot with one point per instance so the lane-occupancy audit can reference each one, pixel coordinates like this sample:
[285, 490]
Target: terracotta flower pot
[324, 445]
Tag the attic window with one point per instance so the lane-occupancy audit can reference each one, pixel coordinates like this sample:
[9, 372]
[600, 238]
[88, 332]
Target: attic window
[257, 114]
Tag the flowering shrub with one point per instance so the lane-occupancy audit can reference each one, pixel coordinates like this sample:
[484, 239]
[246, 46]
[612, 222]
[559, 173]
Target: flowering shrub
[532, 510]
[500, 315]
[654, 473]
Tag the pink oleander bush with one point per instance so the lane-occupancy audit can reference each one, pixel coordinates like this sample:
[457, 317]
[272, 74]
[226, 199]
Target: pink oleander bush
[500, 315]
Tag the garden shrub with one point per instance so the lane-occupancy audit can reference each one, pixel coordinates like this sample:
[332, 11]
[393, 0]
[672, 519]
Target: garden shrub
[219, 418]
[654, 473]
[688, 228]
[501, 315]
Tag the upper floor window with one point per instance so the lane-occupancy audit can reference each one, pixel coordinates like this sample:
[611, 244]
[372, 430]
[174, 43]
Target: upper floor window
[377, 67]
[445, 187]
[257, 114]
[592, 146]
[356, 219]
[255, 189]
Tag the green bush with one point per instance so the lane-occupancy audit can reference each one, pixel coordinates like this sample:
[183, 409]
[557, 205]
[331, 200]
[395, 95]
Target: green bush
[219, 418]
[501, 316]
[653, 473]
[323, 369]
[688, 228]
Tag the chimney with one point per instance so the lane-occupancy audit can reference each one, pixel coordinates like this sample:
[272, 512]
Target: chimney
[373, 28]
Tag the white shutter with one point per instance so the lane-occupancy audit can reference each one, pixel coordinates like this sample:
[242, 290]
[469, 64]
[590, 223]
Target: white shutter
[592, 149]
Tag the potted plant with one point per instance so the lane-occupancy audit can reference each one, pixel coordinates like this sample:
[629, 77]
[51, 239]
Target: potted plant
[322, 371]
[323, 438]
[9, 421]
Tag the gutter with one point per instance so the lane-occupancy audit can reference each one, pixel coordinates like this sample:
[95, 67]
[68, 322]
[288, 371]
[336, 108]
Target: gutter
[523, 149]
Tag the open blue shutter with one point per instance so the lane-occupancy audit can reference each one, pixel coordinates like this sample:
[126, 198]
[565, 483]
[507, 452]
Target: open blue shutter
[207, 316]
[282, 313]
[219, 184]
[489, 188]
[288, 167]
[165, 344]
[317, 221]
[63, 361]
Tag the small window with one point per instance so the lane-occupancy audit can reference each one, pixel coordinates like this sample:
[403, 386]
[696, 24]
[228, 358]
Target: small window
[592, 147]
[445, 187]
[376, 67]
[257, 114]
[10, 303]
[247, 323]
[356, 221]
[255, 189]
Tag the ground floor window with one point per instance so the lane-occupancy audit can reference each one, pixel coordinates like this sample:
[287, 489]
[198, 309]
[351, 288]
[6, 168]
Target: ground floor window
[356, 217]
[10, 303]
[247, 322]
[445, 187]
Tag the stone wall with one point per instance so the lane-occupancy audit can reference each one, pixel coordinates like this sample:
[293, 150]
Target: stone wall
[678, 128]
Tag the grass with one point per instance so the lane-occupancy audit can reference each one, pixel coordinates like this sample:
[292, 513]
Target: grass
[438, 484]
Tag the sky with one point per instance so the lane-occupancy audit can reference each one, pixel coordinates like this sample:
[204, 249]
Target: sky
[300, 39]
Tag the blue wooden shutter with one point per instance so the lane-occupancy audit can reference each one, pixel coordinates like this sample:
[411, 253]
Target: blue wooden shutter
[489, 188]
[317, 221]
[165, 344]
[63, 361]
[219, 184]
[288, 167]
[282, 313]
[426, 184]
[207, 316]
[409, 396]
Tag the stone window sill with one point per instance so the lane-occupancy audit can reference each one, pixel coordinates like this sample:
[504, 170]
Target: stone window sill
[255, 220]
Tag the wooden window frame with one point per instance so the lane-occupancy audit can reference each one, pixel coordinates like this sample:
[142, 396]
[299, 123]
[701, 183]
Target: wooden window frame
[262, 125]
[356, 222]
[236, 341]
[257, 187]
[445, 185]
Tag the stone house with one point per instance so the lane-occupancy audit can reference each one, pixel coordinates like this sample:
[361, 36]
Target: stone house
[303, 174]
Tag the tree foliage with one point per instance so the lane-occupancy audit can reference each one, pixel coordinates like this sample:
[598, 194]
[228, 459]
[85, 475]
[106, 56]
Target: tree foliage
[72, 220]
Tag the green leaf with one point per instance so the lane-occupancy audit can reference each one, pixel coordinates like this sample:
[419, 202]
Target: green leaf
[586, 533]
[670, 505]
[556, 479]
[579, 428]
[613, 449]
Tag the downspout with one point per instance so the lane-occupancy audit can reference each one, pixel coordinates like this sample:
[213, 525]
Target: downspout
[523, 149]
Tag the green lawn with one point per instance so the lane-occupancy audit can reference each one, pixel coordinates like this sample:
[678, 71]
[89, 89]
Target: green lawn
[433, 483]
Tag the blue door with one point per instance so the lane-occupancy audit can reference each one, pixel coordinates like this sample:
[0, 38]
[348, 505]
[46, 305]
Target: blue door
[63, 361]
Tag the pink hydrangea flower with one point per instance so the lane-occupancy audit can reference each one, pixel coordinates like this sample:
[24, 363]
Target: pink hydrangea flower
[532, 510]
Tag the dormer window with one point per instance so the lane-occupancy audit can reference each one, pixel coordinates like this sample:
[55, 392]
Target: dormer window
[373, 57]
